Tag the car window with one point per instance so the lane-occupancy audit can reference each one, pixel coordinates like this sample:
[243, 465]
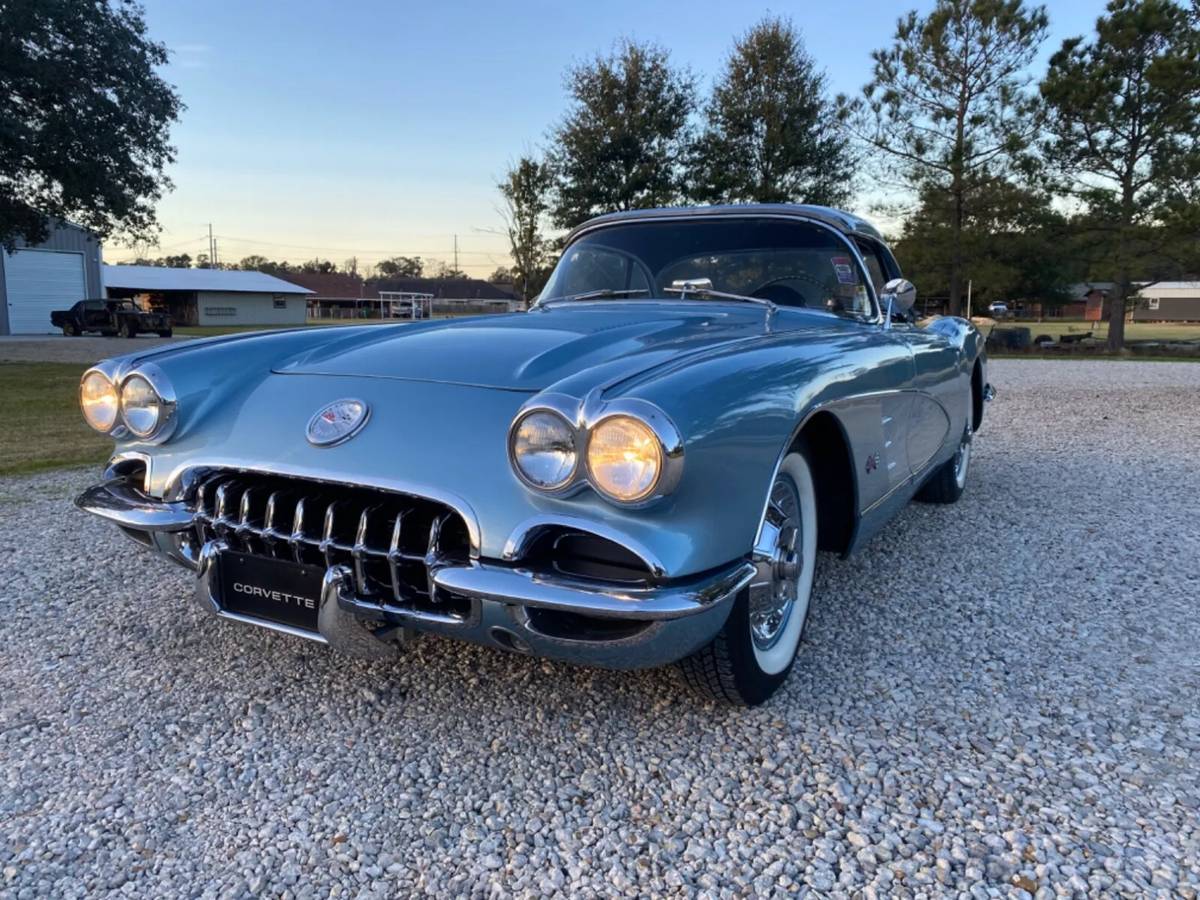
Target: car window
[876, 265]
[788, 262]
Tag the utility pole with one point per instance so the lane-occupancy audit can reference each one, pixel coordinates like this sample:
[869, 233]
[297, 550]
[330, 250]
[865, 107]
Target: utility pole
[212, 248]
[456, 254]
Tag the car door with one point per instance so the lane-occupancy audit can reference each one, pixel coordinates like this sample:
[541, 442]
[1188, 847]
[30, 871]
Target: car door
[936, 370]
[94, 316]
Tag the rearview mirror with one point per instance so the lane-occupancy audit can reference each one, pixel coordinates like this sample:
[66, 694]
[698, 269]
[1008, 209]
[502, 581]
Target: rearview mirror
[898, 297]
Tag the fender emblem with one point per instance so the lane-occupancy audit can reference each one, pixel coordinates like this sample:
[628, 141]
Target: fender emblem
[872, 463]
[336, 422]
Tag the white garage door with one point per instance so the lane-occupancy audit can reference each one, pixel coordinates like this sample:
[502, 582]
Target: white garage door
[38, 281]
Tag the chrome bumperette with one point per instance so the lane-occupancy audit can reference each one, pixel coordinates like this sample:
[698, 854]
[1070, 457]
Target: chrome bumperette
[601, 599]
[120, 502]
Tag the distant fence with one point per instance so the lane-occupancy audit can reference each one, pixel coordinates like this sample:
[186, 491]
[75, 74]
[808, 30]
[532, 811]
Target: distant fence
[373, 308]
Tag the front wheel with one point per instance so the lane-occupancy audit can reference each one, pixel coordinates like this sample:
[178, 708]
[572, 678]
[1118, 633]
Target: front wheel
[69, 330]
[947, 483]
[125, 329]
[752, 654]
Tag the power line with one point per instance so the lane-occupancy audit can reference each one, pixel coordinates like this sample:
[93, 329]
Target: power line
[360, 250]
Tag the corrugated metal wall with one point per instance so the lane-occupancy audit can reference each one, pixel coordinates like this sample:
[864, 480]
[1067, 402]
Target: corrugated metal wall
[220, 308]
[69, 238]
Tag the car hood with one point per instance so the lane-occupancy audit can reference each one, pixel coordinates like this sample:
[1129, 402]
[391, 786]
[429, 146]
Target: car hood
[530, 351]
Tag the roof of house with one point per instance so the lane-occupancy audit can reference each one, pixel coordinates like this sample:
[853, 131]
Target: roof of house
[331, 285]
[441, 288]
[162, 278]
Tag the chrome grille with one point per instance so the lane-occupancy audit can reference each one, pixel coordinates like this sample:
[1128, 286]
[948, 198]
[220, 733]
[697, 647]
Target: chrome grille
[391, 542]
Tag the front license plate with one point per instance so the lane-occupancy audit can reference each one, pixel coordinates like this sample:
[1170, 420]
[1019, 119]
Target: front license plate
[271, 589]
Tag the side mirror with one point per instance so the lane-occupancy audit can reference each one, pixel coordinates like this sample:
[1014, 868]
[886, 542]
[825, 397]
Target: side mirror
[898, 296]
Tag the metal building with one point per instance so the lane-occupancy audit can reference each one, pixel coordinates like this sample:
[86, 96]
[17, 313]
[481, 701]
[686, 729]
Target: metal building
[212, 296]
[43, 277]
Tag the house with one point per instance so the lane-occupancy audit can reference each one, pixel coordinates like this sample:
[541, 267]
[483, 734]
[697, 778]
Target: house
[451, 295]
[334, 294]
[55, 274]
[212, 296]
[1168, 301]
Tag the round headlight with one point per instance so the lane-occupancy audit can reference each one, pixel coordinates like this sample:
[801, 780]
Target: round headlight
[141, 407]
[625, 458]
[98, 400]
[543, 450]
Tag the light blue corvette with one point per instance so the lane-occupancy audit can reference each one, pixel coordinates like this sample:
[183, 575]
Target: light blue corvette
[639, 470]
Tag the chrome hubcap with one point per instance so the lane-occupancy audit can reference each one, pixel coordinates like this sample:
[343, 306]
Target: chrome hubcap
[962, 458]
[773, 592]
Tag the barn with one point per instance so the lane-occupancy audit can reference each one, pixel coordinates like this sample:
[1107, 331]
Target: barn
[36, 279]
[211, 296]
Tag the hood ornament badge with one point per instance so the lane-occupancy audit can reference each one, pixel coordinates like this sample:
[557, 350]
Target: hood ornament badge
[337, 422]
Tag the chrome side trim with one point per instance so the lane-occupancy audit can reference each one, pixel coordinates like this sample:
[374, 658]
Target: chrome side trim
[601, 599]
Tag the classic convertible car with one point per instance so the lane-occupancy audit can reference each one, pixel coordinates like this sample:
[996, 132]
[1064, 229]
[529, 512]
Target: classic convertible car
[639, 470]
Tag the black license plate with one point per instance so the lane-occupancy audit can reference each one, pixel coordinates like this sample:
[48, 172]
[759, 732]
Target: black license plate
[272, 589]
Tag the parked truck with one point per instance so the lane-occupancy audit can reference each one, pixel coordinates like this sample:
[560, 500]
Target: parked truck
[110, 317]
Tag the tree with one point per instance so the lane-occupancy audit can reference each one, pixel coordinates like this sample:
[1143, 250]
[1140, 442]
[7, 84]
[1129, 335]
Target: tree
[1018, 244]
[946, 108]
[84, 119]
[317, 266]
[1124, 131]
[526, 191]
[446, 270]
[772, 134]
[401, 267]
[502, 275]
[623, 140]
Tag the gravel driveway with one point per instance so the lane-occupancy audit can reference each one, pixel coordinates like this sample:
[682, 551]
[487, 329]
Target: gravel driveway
[998, 697]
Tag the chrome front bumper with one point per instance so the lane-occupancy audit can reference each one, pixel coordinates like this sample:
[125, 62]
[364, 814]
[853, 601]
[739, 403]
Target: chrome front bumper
[509, 603]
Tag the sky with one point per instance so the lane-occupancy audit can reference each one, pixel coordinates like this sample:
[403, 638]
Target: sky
[370, 128]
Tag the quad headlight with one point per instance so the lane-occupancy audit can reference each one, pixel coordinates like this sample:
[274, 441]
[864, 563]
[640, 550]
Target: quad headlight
[624, 458]
[99, 400]
[140, 404]
[542, 448]
[630, 453]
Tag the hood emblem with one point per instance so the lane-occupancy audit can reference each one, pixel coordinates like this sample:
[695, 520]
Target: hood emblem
[337, 422]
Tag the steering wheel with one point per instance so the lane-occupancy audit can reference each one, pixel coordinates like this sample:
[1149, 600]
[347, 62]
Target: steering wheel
[782, 295]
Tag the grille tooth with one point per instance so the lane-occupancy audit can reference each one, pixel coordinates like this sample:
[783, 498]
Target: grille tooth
[297, 537]
[392, 542]
[362, 551]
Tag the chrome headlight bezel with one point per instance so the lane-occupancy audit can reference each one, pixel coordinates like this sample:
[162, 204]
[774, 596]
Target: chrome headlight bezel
[163, 390]
[101, 372]
[584, 418]
[569, 480]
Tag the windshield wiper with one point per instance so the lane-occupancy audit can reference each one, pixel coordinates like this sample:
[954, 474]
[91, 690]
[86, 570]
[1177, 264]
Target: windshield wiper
[603, 292]
[702, 287]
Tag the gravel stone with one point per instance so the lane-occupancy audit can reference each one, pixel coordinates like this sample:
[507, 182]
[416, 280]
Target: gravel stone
[995, 699]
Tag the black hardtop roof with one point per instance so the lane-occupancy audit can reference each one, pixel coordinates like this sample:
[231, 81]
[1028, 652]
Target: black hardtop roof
[843, 221]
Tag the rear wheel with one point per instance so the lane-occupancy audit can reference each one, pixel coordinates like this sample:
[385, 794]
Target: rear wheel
[126, 330]
[752, 654]
[70, 330]
[165, 332]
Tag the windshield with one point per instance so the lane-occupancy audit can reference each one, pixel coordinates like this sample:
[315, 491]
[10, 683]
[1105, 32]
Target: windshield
[789, 263]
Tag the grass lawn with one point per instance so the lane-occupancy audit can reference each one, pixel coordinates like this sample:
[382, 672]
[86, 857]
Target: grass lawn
[45, 429]
[1134, 331]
